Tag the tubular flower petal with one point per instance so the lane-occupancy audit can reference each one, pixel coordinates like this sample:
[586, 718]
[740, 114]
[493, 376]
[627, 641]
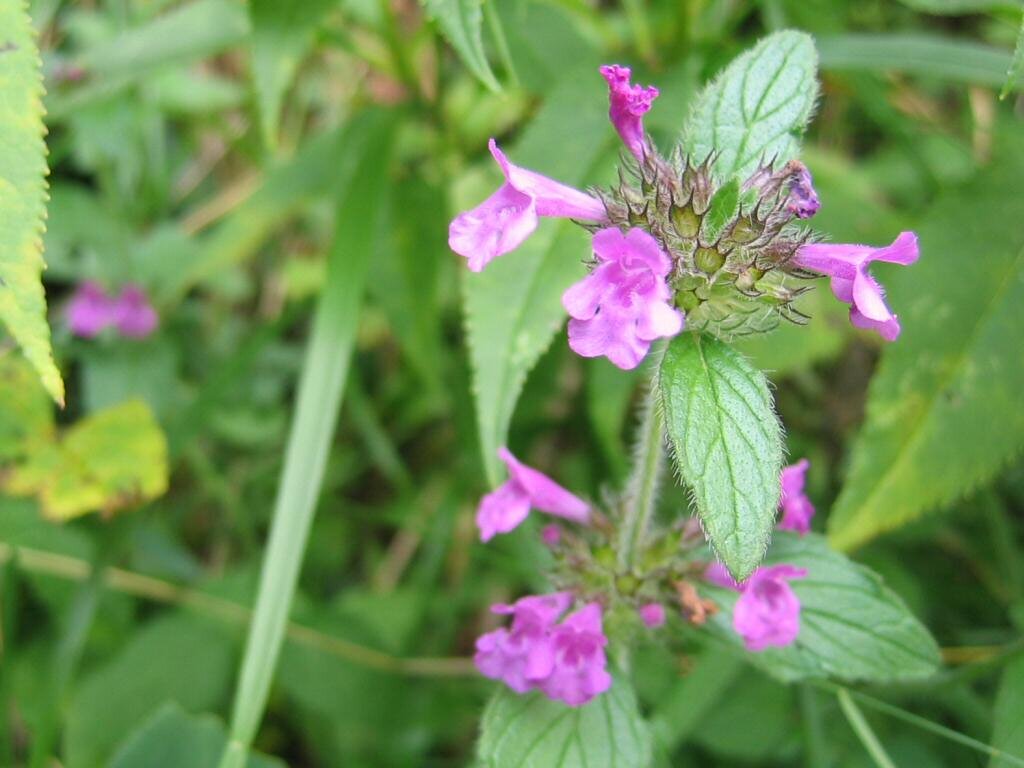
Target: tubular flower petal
[847, 266]
[768, 611]
[628, 104]
[624, 304]
[578, 671]
[797, 509]
[505, 219]
[803, 199]
[504, 508]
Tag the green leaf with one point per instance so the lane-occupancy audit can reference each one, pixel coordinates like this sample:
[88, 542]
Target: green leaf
[112, 460]
[917, 54]
[1016, 65]
[958, 7]
[282, 31]
[943, 411]
[852, 627]
[172, 738]
[514, 307]
[757, 108]
[26, 411]
[180, 658]
[23, 195]
[460, 22]
[533, 731]
[727, 445]
[1008, 718]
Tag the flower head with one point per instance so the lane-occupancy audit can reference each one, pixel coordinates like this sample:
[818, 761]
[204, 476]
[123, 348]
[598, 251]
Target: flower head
[652, 615]
[767, 611]
[578, 672]
[505, 219]
[628, 104]
[90, 310]
[134, 316]
[847, 265]
[797, 509]
[504, 508]
[625, 303]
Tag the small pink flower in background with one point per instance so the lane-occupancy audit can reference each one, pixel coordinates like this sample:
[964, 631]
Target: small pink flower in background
[624, 304]
[504, 220]
[847, 265]
[551, 535]
[803, 200]
[652, 615]
[628, 104]
[797, 509]
[565, 661]
[767, 611]
[504, 508]
[91, 311]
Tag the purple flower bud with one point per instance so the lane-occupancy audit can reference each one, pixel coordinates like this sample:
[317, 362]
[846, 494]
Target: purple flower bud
[504, 508]
[579, 670]
[797, 509]
[628, 104]
[803, 200]
[652, 615]
[851, 282]
[504, 220]
[551, 535]
[625, 303]
[90, 310]
[134, 316]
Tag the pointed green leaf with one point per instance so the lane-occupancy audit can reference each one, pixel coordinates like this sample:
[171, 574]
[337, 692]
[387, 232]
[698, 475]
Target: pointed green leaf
[1008, 718]
[757, 108]
[852, 627]
[1016, 66]
[282, 31]
[460, 22]
[727, 444]
[23, 194]
[943, 412]
[533, 731]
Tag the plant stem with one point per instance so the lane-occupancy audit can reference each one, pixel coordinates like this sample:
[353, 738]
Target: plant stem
[642, 489]
[860, 726]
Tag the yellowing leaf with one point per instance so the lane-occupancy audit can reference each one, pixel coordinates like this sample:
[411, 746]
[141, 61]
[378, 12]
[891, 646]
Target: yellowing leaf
[110, 461]
[23, 195]
[26, 412]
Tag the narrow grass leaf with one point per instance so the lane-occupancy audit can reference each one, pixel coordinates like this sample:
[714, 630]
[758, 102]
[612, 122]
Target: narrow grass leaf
[460, 22]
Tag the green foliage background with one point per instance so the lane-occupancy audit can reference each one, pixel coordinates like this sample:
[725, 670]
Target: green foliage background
[230, 157]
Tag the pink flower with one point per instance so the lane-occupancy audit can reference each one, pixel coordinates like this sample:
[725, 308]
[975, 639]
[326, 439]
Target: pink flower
[797, 509]
[624, 304]
[803, 199]
[90, 310]
[134, 316]
[767, 611]
[551, 535]
[719, 575]
[504, 508]
[565, 661]
[505, 219]
[629, 103]
[524, 654]
[652, 615]
[847, 265]
[579, 671]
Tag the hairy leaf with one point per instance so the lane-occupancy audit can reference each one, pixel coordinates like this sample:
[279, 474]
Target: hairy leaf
[1008, 718]
[532, 731]
[460, 22]
[757, 108]
[943, 412]
[23, 195]
[727, 444]
[513, 307]
[852, 627]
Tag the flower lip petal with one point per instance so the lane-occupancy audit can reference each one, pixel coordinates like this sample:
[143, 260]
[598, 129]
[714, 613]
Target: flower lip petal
[498, 225]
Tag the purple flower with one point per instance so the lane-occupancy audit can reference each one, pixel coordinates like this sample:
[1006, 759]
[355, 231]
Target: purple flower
[628, 104]
[578, 671]
[797, 509]
[624, 304]
[522, 655]
[134, 316]
[90, 310]
[504, 508]
[505, 219]
[551, 535]
[652, 615]
[719, 575]
[803, 200]
[847, 265]
[767, 611]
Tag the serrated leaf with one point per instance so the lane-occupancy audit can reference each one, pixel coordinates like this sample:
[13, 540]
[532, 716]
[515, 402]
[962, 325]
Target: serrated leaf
[1016, 65]
[172, 738]
[852, 627]
[727, 444]
[1008, 718]
[722, 208]
[758, 107]
[23, 195]
[112, 460]
[460, 22]
[513, 307]
[533, 731]
[943, 412]
[26, 411]
[282, 31]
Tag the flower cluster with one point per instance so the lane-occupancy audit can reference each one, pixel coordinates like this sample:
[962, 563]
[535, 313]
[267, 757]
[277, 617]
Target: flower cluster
[673, 245]
[92, 310]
